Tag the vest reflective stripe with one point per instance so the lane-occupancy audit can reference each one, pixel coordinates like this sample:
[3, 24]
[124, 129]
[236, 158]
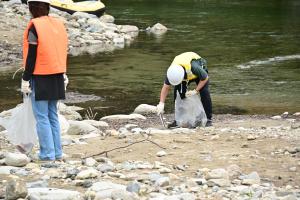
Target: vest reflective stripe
[184, 60]
[52, 46]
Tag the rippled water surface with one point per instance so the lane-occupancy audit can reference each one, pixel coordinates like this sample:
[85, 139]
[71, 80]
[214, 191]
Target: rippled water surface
[252, 49]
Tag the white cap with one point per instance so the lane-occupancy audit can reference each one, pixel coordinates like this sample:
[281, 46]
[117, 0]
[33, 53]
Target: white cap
[175, 74]
[44, 1]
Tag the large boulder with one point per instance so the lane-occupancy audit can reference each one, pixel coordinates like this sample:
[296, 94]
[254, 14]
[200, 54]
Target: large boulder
[16, 159]
[69, 112]
[81, 128]
[133, 31]
[145, 109]
[157, 29]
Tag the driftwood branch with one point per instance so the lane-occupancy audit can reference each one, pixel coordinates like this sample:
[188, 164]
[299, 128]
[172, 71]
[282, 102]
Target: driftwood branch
[122, 147]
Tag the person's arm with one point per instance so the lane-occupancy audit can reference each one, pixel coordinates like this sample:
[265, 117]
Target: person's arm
[200, 73]
[164, 93]
[32, 54]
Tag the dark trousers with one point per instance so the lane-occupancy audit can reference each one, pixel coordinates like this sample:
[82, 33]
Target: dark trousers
[204, 95]
[206, 100]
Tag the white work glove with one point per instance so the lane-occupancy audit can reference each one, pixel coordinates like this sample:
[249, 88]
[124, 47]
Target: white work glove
[25, 87]
[191, 93]
[66, 81]
[160, 108]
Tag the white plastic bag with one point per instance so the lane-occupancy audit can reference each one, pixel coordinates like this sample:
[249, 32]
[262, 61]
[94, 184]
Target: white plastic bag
[189, 112]
[21, 126]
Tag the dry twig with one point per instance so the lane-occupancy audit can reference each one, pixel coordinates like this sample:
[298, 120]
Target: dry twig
[122, 147]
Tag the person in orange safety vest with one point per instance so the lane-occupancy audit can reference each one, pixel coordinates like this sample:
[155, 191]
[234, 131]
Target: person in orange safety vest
[44, 79]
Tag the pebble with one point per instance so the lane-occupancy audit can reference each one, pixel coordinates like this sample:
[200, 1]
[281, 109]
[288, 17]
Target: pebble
[293, 169]
[161, 153]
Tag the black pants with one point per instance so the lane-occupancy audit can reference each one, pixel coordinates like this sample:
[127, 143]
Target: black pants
[204, 95]
[206, 100]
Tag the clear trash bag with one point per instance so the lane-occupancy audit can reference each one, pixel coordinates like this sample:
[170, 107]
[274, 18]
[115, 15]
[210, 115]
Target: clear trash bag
[21, 126]
[189, 112]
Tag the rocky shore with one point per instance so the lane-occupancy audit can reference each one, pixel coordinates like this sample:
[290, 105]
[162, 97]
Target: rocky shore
[87, 33]
[134, 157]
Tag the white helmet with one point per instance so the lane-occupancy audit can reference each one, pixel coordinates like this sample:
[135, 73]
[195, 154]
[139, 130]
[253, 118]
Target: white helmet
[44, 1]
[175, 74]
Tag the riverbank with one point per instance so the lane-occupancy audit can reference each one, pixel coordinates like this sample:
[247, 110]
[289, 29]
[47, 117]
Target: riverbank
[87, 33]
[133, 157]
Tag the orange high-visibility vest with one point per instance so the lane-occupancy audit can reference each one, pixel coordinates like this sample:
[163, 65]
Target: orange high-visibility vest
[52, 46]
[185, 60]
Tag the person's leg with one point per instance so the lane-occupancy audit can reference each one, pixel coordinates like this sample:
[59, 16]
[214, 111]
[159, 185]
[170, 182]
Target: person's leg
[40, 110]
[206, 101]
[55, 127]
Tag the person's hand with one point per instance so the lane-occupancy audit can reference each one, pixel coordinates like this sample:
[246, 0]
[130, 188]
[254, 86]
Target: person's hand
[160, 108]
[191, 93]
[25, 87]
[66, 81]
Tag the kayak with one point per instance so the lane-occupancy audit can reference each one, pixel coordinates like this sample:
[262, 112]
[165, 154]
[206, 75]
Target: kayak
[92, 7]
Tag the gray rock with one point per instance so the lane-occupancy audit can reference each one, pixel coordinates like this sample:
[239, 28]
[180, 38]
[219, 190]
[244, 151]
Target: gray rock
[161, 153]
[183, 196]
[81, 15]
[90, 162]
[82, 21]
[124, 117]
[67, 111]
[218, 182]
[133, 187]
[50, 165]
[162, 182]
[250, 179]
[12, 2]
[16, 159]
[276, 117]
[124, 195]
[84, 184]
[234, 170]
[104, 189]
[107, 18]
[97, 124]
[104, 168]
[96, 26]
[217, 174]
[81, 128]
[37, 184]
[2, 155]
[133, 31]
[154, 176]
[6, 170]
[157, 29]
[66, 141]
[145, 109]
[72, 173]
[53, 193]
[15, 189]
[89, 173]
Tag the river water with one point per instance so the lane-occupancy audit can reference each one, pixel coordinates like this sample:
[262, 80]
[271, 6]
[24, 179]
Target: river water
[252, 48]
